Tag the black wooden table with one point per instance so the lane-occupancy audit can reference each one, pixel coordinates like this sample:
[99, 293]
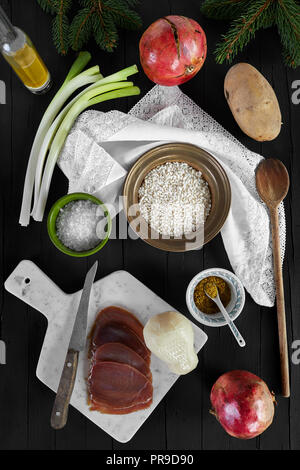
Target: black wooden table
[182, 420]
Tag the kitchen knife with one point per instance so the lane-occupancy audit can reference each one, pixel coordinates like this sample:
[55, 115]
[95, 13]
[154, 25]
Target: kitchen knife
[59, 414]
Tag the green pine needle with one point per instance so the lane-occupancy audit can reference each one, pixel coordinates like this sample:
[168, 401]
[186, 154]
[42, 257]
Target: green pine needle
[105, 31]
[93, 18]
[55, 6]
[60, 24]
[82, 27]
[60, 33]
[247, 17]
[49, 6]
[223, 9]
[288, 25]
[123, 16]
[258, 15]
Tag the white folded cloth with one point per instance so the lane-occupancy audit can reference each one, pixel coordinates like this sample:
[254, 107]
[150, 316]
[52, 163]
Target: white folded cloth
[102, 147]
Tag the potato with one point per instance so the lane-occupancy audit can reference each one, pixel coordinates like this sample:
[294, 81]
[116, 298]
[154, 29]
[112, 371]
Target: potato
[253, 102]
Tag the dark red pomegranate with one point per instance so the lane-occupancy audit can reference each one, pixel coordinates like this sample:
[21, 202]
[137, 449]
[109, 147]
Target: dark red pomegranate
[172, 50]
[242, 403]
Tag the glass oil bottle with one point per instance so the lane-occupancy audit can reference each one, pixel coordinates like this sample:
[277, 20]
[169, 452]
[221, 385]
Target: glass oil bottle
[18, 50]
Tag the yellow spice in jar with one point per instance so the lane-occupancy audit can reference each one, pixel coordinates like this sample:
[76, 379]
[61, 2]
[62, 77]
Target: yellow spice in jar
[211, 289]
[203, 302]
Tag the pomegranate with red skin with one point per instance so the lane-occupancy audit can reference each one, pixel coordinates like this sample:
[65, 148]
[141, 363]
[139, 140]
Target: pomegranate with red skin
[172, 50]
[242, 403]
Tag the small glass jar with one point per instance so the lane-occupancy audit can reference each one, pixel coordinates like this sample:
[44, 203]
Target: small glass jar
[20, 53]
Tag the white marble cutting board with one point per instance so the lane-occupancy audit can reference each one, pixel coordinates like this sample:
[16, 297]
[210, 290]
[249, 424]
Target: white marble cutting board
[30, 284]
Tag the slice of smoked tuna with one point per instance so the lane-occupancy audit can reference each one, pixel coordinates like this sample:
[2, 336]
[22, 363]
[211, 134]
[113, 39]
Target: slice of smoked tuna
[116, 388]
[114, 314]
[117, 352]
[119, 333]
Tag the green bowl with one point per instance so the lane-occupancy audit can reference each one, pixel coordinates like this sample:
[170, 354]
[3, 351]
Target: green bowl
[51, 223]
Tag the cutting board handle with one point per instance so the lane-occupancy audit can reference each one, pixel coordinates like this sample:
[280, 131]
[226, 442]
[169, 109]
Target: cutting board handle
[30, 284]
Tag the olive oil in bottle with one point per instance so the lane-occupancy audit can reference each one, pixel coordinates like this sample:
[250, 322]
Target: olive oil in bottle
[18, 50]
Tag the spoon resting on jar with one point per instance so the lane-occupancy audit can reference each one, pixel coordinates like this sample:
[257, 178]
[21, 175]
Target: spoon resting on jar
[212, 292]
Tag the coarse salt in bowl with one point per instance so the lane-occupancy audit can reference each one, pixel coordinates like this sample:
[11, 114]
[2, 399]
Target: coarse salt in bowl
[72, 224]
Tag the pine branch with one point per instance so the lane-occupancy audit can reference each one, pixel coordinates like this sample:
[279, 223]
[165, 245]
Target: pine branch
[106, 34]
[288, 24]
[98, 18]
[224, 9]
[55, 6]
[250, 16]
[122, 15]
[259, 14]
[60, 27]
[49, 6]
[105, 31]
[60, 24]
[102, 17]
[81, 28]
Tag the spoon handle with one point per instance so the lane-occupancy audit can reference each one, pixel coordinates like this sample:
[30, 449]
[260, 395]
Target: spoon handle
[230, 323]
[283, 349]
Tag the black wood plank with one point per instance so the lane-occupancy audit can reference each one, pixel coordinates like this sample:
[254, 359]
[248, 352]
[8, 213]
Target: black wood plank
[147, 264]
[16, 127]
[222, 353]
[293, 252]
[275, 72]
[111, 256]
[5, 119]
[184, 402]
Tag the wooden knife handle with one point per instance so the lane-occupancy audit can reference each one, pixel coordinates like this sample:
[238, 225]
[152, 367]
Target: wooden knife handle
[283, 349]
[59, 414]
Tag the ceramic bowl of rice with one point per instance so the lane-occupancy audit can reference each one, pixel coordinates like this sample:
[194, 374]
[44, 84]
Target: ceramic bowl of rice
[177, 197]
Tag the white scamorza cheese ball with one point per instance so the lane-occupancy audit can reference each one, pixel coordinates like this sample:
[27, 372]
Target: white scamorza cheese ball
[170, 337]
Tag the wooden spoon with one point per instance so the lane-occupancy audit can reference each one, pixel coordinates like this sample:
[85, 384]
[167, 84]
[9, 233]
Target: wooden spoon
[272, 183]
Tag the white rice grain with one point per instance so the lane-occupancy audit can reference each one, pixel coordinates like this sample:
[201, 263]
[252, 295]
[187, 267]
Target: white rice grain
[174, 199]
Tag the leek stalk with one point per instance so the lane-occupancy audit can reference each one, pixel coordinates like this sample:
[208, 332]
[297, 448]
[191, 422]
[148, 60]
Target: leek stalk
[66, 90]
[99, 94]
[115, 77]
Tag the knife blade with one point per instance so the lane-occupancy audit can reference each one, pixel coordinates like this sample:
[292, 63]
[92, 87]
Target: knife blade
[59, 414]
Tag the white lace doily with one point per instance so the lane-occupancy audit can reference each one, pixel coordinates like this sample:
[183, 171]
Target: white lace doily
[102, 147]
